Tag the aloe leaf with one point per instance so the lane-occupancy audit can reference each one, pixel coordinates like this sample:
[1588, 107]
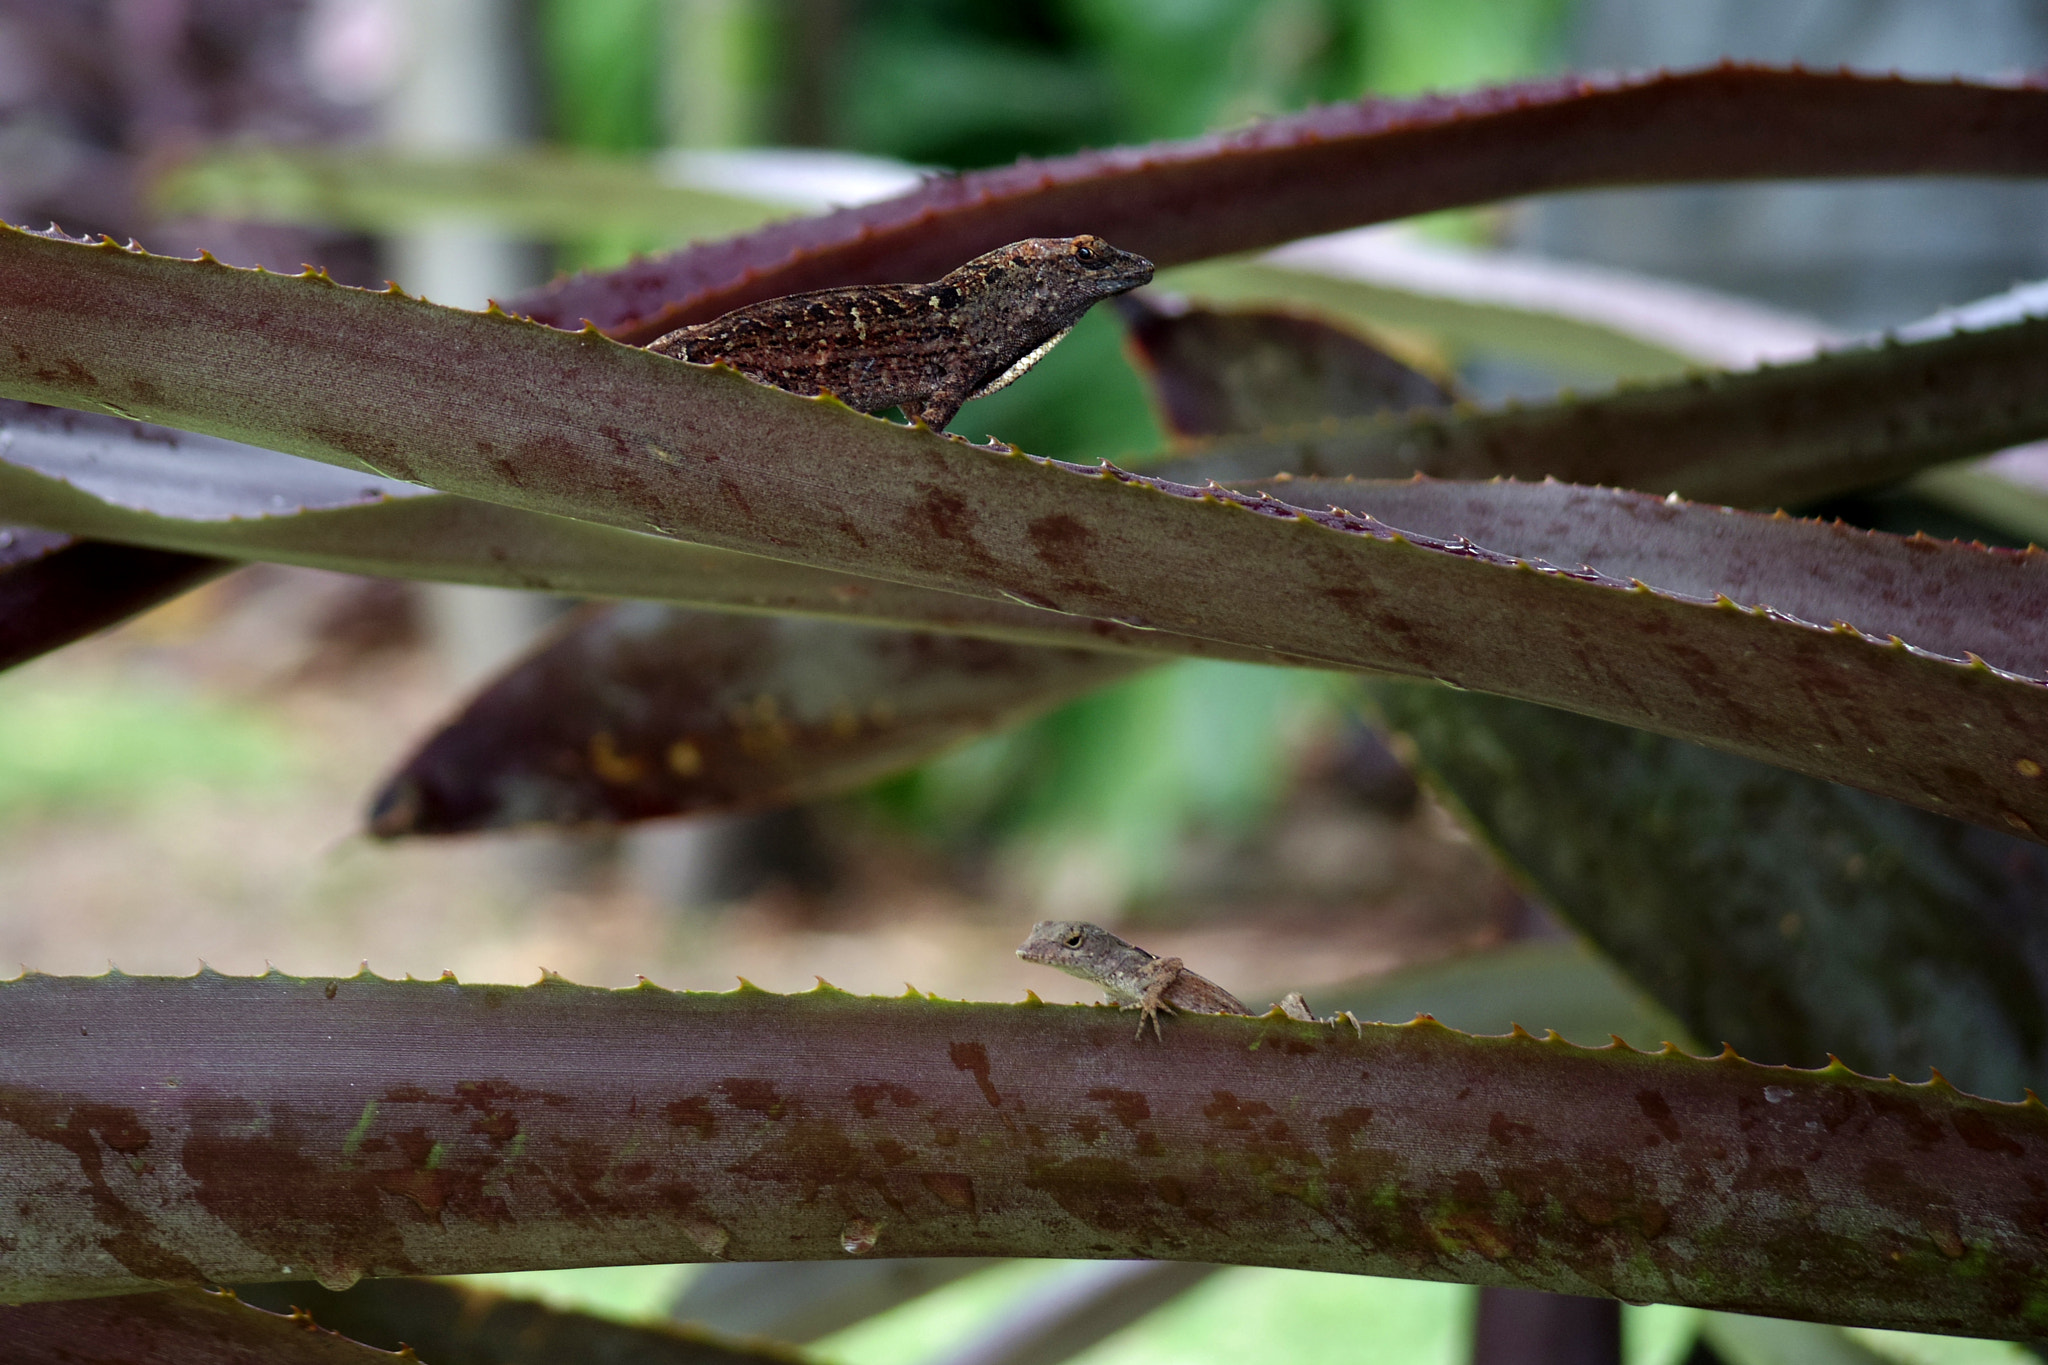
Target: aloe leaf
[182, 1327]
[1946, 598]
[638, 712]
[1790, 918]
[540, 192]
[1245, 372]
[1344, 166]
[573, 424]
[133, 483]
[1567, 317]
[55, 589]
[1851, 419]
[452, 1324]
[265, 1128]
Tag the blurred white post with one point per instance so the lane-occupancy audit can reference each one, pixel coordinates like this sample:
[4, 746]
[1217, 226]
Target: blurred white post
[463, 86]
[710, 98]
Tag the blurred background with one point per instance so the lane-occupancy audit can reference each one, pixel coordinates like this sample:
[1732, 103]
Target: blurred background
[191, 786]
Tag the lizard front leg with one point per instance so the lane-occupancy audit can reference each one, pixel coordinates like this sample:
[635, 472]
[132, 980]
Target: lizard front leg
[937, 409]
[1160, 974]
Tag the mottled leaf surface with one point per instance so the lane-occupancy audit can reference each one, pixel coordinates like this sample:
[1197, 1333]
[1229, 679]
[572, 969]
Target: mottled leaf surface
[640, 711]
[123, 481]
[1781, 435]
[576, 425]
[279, 1128]
[1944, 597]
[1343, 166]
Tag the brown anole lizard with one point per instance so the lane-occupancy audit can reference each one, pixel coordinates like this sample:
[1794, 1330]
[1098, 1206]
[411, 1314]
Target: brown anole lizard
[1128, 975]
[926, 348]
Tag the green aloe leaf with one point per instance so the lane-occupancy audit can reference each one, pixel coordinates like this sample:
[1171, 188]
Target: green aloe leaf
[1790, 918]
[640, 711]
[265, 1128]
[540, 192]
[1343, 166]
[575, 425]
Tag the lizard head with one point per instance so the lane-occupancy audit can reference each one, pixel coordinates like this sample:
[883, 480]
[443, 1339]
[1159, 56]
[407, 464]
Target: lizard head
[1058, 275]
[1087, 266]
[1070, 945]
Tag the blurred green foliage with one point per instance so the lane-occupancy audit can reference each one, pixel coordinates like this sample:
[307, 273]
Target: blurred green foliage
[115, 746]
[1118, 778]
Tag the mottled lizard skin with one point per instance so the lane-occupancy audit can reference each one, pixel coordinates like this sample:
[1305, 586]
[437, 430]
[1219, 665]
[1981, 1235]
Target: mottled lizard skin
[926, 348]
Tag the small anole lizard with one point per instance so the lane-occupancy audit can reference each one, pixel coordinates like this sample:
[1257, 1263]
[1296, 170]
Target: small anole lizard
[926, 348]
[1129, 976]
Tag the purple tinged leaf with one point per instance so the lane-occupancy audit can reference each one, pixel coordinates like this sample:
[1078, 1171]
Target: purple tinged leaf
[453, 1324]
[1216, 372]
[1851, 419]
[1344, 166]
[575, 425]
[639, 711]
[55, 590]
[1944, 597]
[181, 1327]
[267, 1129]
[425, 535]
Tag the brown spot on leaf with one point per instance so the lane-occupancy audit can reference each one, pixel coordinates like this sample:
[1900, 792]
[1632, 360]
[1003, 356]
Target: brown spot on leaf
[1225, 1110]
[1976, 1130]
[868, 1093]
[974, 1057]
[1506, 1131]
[754, 1096]
[1658, 1112]
[953, 1190]
[1127, 1106]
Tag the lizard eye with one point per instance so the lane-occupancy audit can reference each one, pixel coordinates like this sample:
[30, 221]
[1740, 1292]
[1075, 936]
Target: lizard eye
[1073, 940]
[1088, 256]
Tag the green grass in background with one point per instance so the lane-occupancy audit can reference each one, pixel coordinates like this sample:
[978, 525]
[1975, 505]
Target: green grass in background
[97, 745]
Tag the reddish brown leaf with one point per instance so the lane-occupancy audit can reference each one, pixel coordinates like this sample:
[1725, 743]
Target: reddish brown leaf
[1786, 434]
[1213, 372]
[183, 1327]
[1343, 166]
[575, 425]
[640, 711]
[55, 589]
[448, 1324]
[277, 1128]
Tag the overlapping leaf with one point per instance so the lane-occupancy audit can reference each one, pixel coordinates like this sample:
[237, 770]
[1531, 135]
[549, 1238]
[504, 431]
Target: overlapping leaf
[132, 483]
[1343, 166]
[1783, 435]
[575, 425]
[55, 589]
[1792, 918]
[261, 1129]
[640, 711]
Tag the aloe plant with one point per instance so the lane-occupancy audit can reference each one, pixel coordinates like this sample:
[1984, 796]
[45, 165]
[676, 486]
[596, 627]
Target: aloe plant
[214, 1130]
